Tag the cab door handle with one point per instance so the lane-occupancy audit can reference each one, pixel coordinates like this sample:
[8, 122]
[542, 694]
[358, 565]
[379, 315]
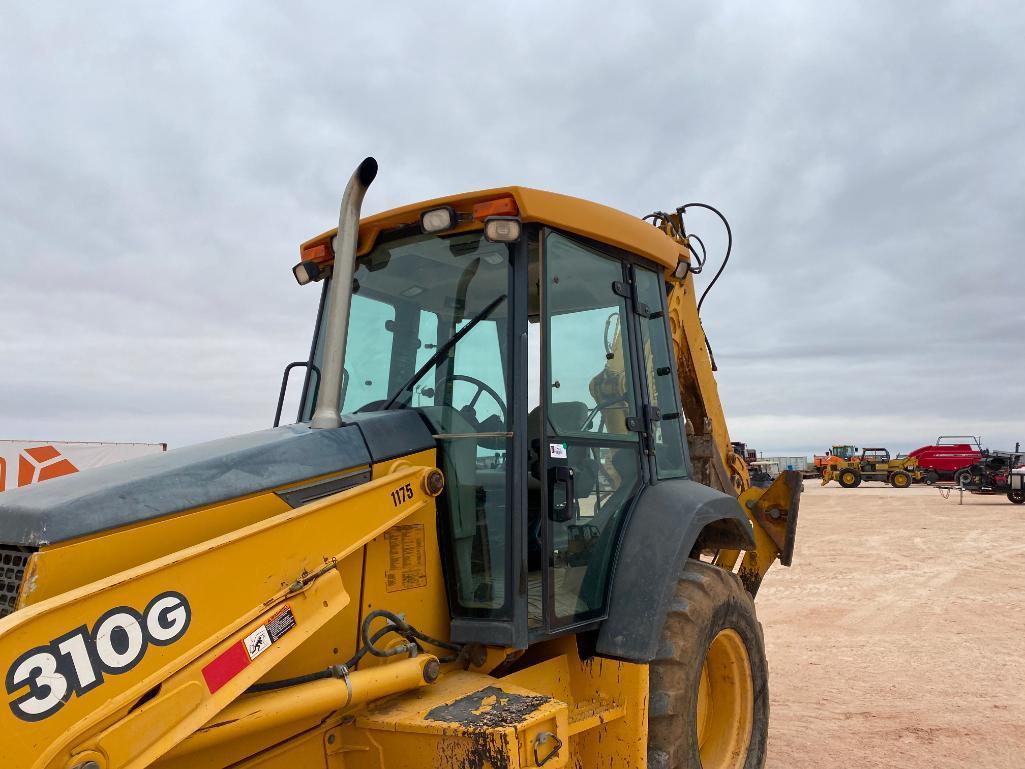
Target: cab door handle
[561, 497]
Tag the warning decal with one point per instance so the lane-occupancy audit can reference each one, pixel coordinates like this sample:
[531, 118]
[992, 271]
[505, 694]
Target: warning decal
[280, 623]
[407, 558]
[260, 639]
[257, 642]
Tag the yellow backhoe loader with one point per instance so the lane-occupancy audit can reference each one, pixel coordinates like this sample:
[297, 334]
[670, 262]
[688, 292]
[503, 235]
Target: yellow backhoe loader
[506, 530]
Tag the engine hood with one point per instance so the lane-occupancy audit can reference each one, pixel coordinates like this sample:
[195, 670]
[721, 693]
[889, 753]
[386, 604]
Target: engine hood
[151, 487]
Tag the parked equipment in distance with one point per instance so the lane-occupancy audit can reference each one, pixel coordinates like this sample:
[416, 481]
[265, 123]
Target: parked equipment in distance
[949, 458]
[800, 464]
[874, 464]
[996, 472]
[837, 453]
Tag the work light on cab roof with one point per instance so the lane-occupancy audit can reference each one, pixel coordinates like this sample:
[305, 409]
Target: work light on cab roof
[307, 272]
[500, 217]
[438, 219]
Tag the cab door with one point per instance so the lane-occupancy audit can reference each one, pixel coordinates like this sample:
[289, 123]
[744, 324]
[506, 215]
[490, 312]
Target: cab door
[589, 441]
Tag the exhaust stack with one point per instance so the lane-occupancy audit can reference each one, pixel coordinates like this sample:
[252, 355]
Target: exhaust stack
[327, 412]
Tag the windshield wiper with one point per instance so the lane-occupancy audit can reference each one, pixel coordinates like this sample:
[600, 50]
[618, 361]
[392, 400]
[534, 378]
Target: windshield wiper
[442, 351]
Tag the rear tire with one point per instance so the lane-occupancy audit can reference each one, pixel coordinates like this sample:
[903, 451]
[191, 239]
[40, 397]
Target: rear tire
[849, 479]
[963, 477]
[900, 480]
[931, 476]
[708, 686]
[1016, 497]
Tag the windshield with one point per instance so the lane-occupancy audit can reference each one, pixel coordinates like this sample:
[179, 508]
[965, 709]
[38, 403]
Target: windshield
[409, 297]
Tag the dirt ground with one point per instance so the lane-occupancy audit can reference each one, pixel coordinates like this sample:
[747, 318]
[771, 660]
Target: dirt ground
[897, 639]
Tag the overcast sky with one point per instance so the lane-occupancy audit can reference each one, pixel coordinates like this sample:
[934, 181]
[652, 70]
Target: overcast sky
[159, 165]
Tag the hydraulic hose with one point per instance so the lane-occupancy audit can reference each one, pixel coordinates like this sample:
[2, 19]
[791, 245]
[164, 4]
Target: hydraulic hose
[729, 244]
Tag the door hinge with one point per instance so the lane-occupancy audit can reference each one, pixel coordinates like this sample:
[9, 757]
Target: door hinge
[644, 425]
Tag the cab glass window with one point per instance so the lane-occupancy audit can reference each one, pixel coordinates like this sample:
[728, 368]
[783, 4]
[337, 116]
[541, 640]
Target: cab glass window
[660, 377]
[591, 456]
[411, 295]
[590, 391]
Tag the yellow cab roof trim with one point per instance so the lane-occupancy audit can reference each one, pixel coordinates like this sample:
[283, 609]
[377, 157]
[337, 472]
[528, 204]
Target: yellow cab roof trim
[581, 217]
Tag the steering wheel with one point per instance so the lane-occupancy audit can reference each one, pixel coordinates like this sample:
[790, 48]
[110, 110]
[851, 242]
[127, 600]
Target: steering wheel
[469, 410]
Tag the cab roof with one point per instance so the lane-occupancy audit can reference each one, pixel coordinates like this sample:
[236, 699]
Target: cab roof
[581, 217]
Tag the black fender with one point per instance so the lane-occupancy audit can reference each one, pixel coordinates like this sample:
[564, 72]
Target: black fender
[662, 531]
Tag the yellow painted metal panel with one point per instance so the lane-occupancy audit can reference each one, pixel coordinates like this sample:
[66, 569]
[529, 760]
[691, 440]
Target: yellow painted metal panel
[414, 545]
[591, 220]
[232, 583]
[405, 733]
[59, 568]
[611, 696]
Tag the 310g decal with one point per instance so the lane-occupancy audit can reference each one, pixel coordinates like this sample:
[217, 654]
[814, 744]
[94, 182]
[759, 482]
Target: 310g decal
[76, 662]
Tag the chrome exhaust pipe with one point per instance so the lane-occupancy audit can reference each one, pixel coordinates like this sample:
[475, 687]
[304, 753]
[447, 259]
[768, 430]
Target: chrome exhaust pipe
[336, 328]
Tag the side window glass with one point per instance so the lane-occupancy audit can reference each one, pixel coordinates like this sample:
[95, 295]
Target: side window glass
[478, 378]
[583, 539]
[373, 350]
[473, 421]
[667, 434]
[423, 391]
[590, 390]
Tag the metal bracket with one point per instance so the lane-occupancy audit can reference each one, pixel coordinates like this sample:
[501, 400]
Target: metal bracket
[776, 512]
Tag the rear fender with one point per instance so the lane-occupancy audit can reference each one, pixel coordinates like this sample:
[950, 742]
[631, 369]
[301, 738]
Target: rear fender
[669, 520]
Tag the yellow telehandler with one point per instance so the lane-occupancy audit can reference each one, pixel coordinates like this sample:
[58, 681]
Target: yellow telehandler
[874, 464]
[504, 531]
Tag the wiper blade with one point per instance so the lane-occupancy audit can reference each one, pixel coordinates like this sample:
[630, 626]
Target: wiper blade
[442, 351]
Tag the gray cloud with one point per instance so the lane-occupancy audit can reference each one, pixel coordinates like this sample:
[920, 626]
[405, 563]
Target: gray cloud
[161, 165]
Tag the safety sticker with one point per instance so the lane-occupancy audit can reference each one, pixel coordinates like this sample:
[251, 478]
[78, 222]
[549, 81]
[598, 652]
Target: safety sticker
[407, 558]
[237, 657]
[557, 450]
[260, 639]
[257, 642]
[280, 623]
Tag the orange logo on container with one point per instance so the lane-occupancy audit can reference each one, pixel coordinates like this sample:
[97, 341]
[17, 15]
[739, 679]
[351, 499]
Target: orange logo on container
[41, 463]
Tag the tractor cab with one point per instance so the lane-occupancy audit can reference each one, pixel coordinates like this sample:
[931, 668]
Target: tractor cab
[844, 452]
[873, 458]
[541, 361]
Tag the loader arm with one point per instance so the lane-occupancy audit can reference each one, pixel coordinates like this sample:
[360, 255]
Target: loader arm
[711, 451]
[773, 511]
[175, 641]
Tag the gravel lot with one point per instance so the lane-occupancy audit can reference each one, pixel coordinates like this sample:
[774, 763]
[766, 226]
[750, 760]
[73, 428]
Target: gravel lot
[897, 639]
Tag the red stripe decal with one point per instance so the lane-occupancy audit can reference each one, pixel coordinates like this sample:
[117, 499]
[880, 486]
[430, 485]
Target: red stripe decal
[231, 662]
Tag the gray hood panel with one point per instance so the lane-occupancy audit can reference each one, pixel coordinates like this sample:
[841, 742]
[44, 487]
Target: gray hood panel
[162, 484]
